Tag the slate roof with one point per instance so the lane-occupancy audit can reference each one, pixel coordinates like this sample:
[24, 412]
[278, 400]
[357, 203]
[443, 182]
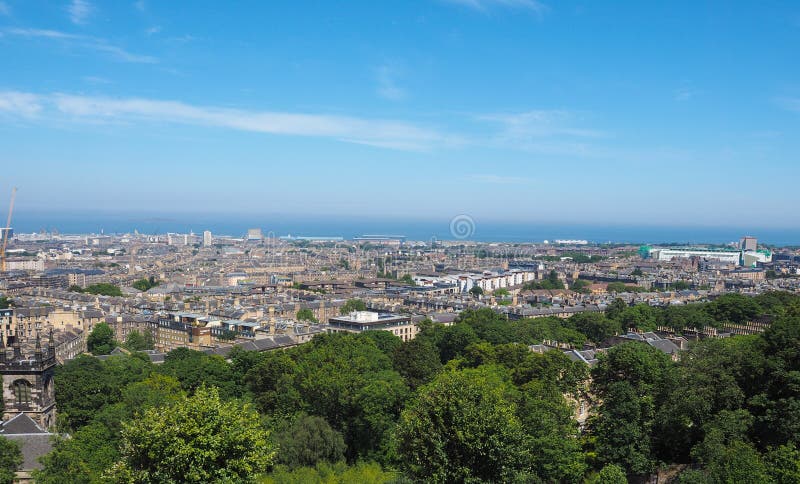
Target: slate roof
[33, 440]
[20, 424]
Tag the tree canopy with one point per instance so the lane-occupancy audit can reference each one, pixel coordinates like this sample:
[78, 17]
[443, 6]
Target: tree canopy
[468, 402]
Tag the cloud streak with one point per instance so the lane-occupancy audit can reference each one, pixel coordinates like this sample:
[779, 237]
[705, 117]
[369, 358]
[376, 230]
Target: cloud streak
[485, 5]
[19, 103]
[79, 11]
[84, 42]
[375, 132]
[540, 124]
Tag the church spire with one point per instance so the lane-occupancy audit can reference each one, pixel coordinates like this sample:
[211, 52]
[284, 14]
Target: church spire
[38, 350]
[51, 347]
[16, 345]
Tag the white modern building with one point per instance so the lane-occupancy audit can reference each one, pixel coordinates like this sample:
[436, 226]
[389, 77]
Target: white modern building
[723, 255]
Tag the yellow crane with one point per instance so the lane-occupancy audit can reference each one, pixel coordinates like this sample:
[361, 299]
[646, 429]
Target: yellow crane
[7, 229]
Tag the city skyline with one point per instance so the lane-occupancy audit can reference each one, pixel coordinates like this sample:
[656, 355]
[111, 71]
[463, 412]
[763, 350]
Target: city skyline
[676, 114]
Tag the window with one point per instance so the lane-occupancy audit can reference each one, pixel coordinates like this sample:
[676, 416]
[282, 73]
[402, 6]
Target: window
[22, 392]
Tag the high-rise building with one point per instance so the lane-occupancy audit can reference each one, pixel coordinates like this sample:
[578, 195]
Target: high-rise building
[207, 238]
[747, 243]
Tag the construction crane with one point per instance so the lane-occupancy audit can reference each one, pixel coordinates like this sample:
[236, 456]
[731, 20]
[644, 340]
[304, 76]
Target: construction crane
[6, 230]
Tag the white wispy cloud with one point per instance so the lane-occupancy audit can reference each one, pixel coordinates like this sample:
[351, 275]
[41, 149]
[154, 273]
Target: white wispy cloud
[540, 124]
[153, 30]
[84, 42]
[20, 103]
[500, 179]
[387, 86]
[140, 5]
[547, 132]
[79, 11]
[483, 5]
[376, 132]
[5, 9]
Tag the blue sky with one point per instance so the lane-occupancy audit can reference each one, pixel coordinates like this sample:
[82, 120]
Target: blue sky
[681, 113]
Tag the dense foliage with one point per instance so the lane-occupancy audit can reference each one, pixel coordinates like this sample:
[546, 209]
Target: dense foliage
[10, 459]
[468, 402]
[103, 289]
[145, 284]
[101, 340]
[352, 305]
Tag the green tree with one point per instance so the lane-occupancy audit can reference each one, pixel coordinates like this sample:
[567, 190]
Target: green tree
[145, 284]
[579, 285]
[273, 382]
[476, 291]
[352, 305]
[454, 340]
[101, 340]
[384, 340]
[350, 382]
[307, 441]
[306, 314]
[631, 380]
[733, 308]
[621, 429]
[156, 391]
[136, 341]
[201, 439]
[610, 474]
[680, 285]
[10, 460]
[325, 473]
[641, 316]
[5, 302]
[408, 279]
[463, 426]
[553, 438]
[596, 326]
[615, 309]
[417, 361]
[83, 389]
[194, 368]
[554, 281]
[104, 289]
[783, 464]
[82, 458]
[738, 462]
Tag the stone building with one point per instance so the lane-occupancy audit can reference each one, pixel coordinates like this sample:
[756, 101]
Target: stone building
[27, 370]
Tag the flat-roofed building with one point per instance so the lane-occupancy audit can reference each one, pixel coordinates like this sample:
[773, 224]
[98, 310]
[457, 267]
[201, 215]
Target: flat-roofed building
[360, 321]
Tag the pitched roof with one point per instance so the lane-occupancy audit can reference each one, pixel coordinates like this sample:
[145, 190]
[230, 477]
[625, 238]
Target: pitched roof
[34, 441]
[33, 446]
[20, 424]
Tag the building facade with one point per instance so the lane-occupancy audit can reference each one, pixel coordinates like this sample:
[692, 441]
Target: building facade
[360, 321]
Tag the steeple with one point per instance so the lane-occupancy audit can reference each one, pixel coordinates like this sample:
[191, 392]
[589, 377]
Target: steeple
[38, 351]
[51, 347]
[16, 346]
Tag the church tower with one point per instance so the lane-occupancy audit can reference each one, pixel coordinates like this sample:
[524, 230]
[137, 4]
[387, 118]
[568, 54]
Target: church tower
[27, 372]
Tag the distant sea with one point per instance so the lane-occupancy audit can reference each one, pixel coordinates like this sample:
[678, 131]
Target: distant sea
[349, 227]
